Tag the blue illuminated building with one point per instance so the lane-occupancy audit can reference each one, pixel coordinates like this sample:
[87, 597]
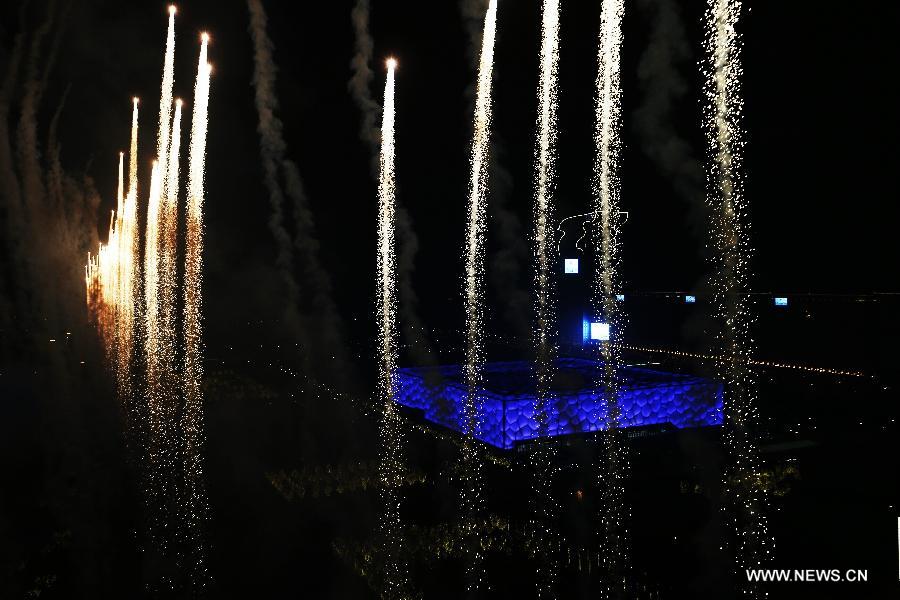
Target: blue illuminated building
[577, 403]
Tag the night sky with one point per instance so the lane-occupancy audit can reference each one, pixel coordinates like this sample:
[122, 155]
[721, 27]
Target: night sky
[820, 124]
[820, 149]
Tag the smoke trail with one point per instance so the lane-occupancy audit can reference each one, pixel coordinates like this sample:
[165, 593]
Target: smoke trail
[613, 470]
[29, 265]
[729, 238]
[322, 319]
[192, 419]
[272, 148]
[662, 87]
[391, 471]
[361, 80]
[545, 509]
[472, 495]
[414, 332]
[322, 315]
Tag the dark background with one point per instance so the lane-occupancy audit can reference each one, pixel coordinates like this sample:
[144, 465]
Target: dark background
[820, 158]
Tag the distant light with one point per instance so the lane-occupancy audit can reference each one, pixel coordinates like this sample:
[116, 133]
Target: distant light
[781, 301]
[204, 37]
[571, 266]
[690, 299]
[392, 63]
[600, 332]
[172, 9]
[52, 340]
[620, 297]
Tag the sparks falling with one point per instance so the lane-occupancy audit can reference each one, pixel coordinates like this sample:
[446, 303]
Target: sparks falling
[391, 461]
[544, 508]
[175, 492]
[472, 500]
[729, 231]
[612, 471]
[193, 298]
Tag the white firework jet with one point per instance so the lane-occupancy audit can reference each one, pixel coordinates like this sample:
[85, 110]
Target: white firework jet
[746, 504]
[192, 419]
[544, 506]
[612, 471]
[471, 493]
[391, 471]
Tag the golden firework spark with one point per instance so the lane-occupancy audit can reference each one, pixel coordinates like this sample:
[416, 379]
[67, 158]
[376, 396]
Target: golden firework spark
[729, 236]
[193, 297]
[175, 497]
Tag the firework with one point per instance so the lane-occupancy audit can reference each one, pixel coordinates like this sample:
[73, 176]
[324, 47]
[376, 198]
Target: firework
[729, 233]
[544, 506]
[472, 500]
[175, 495]
[612, 471]
[193, 282]
[391, 463]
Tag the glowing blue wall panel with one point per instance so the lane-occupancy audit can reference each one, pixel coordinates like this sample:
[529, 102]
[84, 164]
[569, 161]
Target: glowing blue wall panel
[507, 400]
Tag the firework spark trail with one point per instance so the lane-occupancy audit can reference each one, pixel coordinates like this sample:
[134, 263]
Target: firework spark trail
[122, 304]
[391, 460]
[132, 154]
[729, 234]
[193, 350]
[166, 393]
[472, 499]
[175, 494]
[131, 246]
[414, 332]
[168, 251]
[544, 508]
[157, 342]
[613, 470]
[156, 427]
[165, 104]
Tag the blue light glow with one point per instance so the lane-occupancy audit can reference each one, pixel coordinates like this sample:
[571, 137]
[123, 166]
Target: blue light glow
[571, 265]
[620, 297]
[600, 332]
[577, 406]
[690, 299]
[781, 302]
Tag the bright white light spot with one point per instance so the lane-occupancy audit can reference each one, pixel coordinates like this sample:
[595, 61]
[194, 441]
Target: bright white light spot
[600, 332]
[620, 297]
[571, 265]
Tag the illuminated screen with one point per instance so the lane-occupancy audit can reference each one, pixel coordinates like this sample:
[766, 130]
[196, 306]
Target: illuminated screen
[571, 265]
[600, 331]
[690, 299]
[780, 301]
